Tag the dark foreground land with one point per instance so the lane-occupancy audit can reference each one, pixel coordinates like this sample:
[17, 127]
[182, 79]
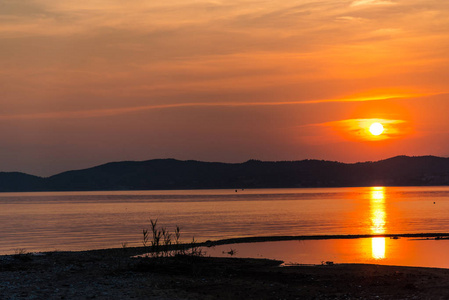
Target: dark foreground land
[113, 274]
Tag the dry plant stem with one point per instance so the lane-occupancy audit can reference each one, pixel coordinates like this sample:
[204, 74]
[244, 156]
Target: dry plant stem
[146, 237]
[163, 240]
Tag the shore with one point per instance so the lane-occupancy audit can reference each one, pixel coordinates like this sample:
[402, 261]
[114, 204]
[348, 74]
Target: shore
[114, 274]
[258, 239]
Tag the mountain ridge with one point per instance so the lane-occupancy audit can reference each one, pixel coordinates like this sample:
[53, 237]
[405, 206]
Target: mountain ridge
[171, 173]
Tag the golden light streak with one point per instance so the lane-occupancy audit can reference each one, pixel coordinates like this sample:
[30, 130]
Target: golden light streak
[377, 205]
[378, 221]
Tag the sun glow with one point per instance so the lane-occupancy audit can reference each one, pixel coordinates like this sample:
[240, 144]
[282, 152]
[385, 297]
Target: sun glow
[376, 128]
[373, 129]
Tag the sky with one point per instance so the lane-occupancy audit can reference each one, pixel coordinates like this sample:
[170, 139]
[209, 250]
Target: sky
[88, 82]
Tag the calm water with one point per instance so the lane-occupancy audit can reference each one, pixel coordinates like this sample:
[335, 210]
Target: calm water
[378, 250]
[89, 220]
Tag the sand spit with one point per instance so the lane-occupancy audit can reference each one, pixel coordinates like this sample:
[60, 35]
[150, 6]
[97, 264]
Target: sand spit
[260, 239]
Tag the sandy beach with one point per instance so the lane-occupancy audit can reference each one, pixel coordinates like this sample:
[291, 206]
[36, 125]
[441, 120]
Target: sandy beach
[114, 274]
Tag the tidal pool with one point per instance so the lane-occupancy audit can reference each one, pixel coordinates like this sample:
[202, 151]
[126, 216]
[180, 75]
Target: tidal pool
[377, 250]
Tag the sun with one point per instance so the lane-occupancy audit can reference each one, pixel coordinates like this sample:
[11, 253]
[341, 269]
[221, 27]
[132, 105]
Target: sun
[376, 128]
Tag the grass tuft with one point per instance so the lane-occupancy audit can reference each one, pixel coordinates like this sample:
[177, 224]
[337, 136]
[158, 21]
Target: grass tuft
[163, 243]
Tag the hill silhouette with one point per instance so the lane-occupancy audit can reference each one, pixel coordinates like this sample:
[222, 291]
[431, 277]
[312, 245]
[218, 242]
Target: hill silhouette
[175, 174]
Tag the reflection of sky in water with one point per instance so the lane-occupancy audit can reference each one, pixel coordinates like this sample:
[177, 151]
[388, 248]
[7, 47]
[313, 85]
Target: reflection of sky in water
[379, 250]
[95, 220]
[404, 251]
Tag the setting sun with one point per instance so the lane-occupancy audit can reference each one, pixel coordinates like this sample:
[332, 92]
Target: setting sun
[376, 128]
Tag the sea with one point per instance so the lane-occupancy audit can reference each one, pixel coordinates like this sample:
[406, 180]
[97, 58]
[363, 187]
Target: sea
[60, 221]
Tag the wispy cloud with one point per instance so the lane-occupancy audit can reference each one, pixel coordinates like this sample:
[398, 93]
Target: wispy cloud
[371, 2]
[126, 110]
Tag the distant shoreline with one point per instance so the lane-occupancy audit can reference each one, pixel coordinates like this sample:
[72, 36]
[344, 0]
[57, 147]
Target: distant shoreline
[172, 174]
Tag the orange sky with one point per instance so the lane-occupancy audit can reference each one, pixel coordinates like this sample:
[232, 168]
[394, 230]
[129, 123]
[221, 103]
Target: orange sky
[88, 82]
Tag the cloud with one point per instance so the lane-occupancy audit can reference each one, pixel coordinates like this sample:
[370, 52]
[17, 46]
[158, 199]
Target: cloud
[93, 113]
[371, 2]
[350, 19]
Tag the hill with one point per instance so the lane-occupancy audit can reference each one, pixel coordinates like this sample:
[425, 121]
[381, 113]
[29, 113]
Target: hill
[16, 181]
[176, 174]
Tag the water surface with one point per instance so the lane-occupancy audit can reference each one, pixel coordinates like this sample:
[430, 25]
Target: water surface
[379, 250]
[92, 220]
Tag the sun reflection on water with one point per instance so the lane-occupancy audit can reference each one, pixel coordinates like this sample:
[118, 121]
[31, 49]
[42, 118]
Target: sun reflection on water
[378, 247]
[378, 220]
